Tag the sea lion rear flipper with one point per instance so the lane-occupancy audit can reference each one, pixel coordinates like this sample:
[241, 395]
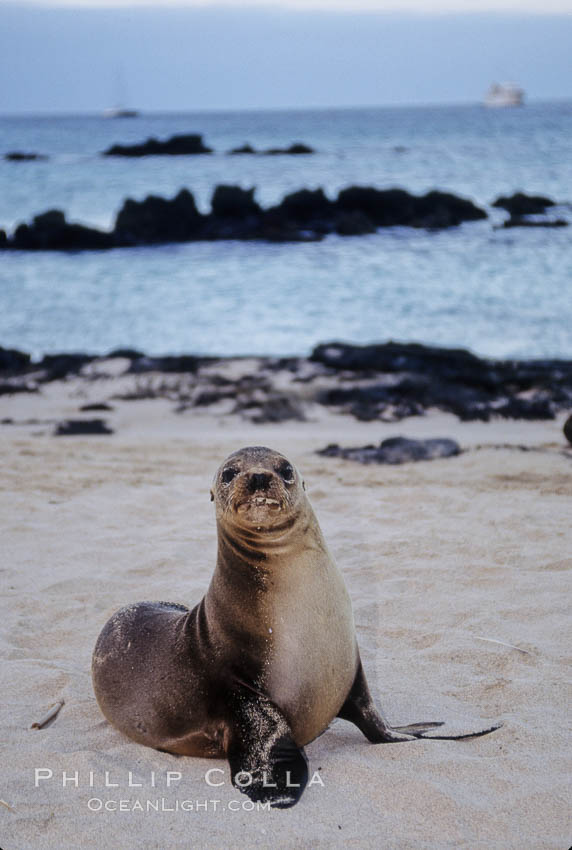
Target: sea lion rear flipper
[265, 762]
[464, 736]
[414, 728]
[360, 709]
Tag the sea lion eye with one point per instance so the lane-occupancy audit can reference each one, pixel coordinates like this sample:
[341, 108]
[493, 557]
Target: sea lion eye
[286, 471]
[228, 474]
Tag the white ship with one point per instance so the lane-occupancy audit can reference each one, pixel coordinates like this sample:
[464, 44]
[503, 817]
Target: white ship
[504, 94]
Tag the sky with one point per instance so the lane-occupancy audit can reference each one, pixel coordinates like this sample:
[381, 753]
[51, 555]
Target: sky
[204, 56]
[425, 6]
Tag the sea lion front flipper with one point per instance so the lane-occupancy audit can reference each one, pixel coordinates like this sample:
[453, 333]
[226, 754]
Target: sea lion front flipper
[265, 762]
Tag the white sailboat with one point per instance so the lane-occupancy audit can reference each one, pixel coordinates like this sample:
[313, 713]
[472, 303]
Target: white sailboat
[120, 110]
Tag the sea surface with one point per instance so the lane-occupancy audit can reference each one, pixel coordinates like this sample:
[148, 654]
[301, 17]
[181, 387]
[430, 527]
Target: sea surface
[501, 293]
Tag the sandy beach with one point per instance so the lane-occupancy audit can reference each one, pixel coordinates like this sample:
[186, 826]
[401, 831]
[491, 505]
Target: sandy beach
[459, 573]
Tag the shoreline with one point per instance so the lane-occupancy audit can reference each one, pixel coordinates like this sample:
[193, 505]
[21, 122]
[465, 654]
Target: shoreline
[386, 382]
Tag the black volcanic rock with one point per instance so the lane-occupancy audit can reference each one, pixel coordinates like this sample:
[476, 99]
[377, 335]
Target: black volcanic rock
[15, 386]
[234, 202]
[243, 149]
[277, 407]
[295, 149]
[568, 429]
[59, 366]
[533, 409]
[127, 353]
[157, 220]
[182, 363]
[81, 427]
[305, 205]
[386, 381]
[520, 204]
[390, 207]
[50, 231]
[453, 380]
[354, 223]
[384, 207]
[276, 226]
[396, 450]
[443, 209]
[22, 156]
[12, 360]
[3, 239]
[301, 216]
[450, 363]
[519, 221]
[96, 407]
[182, 145]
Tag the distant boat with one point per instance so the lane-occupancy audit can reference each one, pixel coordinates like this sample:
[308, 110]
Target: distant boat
[504, 94]
[120, 112]
[121, 98]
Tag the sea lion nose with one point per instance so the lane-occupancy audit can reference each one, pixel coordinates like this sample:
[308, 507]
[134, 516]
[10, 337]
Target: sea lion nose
[259, 481]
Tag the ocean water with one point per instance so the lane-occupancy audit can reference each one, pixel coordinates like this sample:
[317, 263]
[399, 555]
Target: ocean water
[501, 293]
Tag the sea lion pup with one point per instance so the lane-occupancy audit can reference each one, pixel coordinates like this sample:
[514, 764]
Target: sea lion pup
[264, 662]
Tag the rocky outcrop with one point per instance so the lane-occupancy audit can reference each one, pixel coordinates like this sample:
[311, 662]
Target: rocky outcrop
[521, 204]
[243, 149]
[389, 207]
[453, 380]
[56, 367]
[157, 220]
[16, 387]
[568, 429]
[276, 226]
[391, 357]
[174, 364]
[305, 215]
[306, 205]
[23, 156]
[385, 382]
[234, 202]
[182, 145]
[396, 450]
[296, 149]
[354, 223]
[50, 231]
[81, 427]
[13, 361]
[519, 221]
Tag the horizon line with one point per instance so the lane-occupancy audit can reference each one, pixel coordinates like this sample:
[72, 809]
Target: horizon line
[142, 112]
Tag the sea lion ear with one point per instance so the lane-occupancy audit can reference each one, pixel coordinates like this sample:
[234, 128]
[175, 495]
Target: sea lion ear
[303, 485]
[212, 496]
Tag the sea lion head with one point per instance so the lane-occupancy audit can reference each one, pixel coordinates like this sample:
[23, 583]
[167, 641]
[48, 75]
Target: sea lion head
[257, 488]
